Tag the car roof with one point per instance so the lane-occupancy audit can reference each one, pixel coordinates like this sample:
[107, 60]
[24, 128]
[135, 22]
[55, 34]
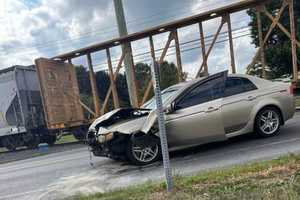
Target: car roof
[256, 80]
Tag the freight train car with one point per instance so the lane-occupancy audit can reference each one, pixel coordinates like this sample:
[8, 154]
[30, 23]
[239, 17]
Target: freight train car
[39, 102]
[22, 121]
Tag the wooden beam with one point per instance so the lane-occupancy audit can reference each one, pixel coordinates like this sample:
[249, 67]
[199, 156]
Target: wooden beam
[149, 87]
[161, 60]
[119, 66]
[165, 50]
[282, 28]
[87, 108]
[178, 56]
[93, 86]
[211, 47]
[134, 87]
[293, 40]
[112, 81]
[261, 44]
[203, 48]
[273, 25]
[233, 66]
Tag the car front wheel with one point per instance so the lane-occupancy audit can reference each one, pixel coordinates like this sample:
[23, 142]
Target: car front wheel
[145, 151]
[267, 122]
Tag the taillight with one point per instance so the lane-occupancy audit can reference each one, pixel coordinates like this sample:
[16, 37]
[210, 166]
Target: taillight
[291, 89]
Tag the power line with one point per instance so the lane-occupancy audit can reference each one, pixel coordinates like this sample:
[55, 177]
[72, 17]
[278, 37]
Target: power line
[182, 43]
[173, 52]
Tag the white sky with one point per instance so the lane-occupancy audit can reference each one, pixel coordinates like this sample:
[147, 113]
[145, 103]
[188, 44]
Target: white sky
[44, 28]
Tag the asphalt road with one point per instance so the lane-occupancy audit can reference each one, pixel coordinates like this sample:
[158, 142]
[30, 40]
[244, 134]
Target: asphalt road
[67, 173]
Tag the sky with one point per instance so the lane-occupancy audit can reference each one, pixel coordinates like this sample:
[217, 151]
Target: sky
[44, 28]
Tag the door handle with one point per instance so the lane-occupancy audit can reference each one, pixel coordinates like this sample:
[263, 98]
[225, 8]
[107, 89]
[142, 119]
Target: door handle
[251, 98]
[211, 109]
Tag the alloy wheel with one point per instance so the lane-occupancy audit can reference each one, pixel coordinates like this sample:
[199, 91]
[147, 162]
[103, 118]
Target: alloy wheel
[145, 154]
[269, 122]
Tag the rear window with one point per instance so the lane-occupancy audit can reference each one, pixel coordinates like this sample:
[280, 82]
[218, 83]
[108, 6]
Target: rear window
[236, 85]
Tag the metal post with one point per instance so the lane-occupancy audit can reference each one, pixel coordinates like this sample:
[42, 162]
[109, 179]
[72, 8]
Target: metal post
[94, 86]
[128, 61]
[203, 48]
[112, 80]
[233, 67]
[161, 125]
[293, 40]
[261, 43]
[178, 56]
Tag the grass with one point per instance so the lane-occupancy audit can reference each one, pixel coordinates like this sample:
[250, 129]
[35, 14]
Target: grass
[66, 139]
[278, 179]
[2, 150]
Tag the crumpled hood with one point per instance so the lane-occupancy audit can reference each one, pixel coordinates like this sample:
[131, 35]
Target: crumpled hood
[121, 120]
[126, 127]
[103, 118]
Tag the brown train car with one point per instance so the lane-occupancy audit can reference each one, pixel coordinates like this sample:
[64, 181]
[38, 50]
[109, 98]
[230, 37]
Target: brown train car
[60, 97]
[39, 103]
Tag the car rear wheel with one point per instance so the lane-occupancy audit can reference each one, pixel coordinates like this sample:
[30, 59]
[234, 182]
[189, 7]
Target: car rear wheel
[143, 152]
[267, 122]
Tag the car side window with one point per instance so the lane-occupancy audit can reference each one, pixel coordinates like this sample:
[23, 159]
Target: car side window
[235, 85]
[248, 85]
[205, 92]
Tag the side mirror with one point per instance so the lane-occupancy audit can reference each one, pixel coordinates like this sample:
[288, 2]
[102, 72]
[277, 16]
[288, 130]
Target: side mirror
[170, 108]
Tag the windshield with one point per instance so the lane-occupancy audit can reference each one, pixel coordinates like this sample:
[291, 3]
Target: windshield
[165, 96]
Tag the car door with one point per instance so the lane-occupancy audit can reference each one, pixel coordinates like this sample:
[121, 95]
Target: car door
[239, 98]
[197, 116]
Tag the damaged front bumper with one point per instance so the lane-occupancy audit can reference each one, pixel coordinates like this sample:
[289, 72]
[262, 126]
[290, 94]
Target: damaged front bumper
[112, 145]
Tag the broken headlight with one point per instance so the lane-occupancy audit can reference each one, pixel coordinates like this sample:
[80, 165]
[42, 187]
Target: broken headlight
[105, 137]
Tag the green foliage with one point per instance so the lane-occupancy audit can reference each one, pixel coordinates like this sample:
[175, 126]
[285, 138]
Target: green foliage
[168, 75]
[103, 82]
[278, 47]
[83, 80]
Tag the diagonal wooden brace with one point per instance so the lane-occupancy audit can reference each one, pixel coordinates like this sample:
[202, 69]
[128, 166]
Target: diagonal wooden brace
[211, 47]
[273, 25]
[161, 60]
[119, 66]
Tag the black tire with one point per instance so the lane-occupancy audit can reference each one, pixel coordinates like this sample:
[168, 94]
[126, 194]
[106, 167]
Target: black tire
[80, 134]
[147, 146]
[266, 124]
[51, 139]
[9, 143]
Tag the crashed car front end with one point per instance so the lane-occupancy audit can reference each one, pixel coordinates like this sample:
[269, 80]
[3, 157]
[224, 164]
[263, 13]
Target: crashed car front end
[108, 136]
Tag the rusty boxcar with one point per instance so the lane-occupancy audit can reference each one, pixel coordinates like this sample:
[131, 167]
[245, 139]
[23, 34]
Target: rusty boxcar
[38, 102]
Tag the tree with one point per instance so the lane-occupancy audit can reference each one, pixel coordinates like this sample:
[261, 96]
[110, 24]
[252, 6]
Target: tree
[278, 47]
[168, 76]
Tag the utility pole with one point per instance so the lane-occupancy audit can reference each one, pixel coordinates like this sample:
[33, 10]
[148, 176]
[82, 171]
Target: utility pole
[128, 60]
